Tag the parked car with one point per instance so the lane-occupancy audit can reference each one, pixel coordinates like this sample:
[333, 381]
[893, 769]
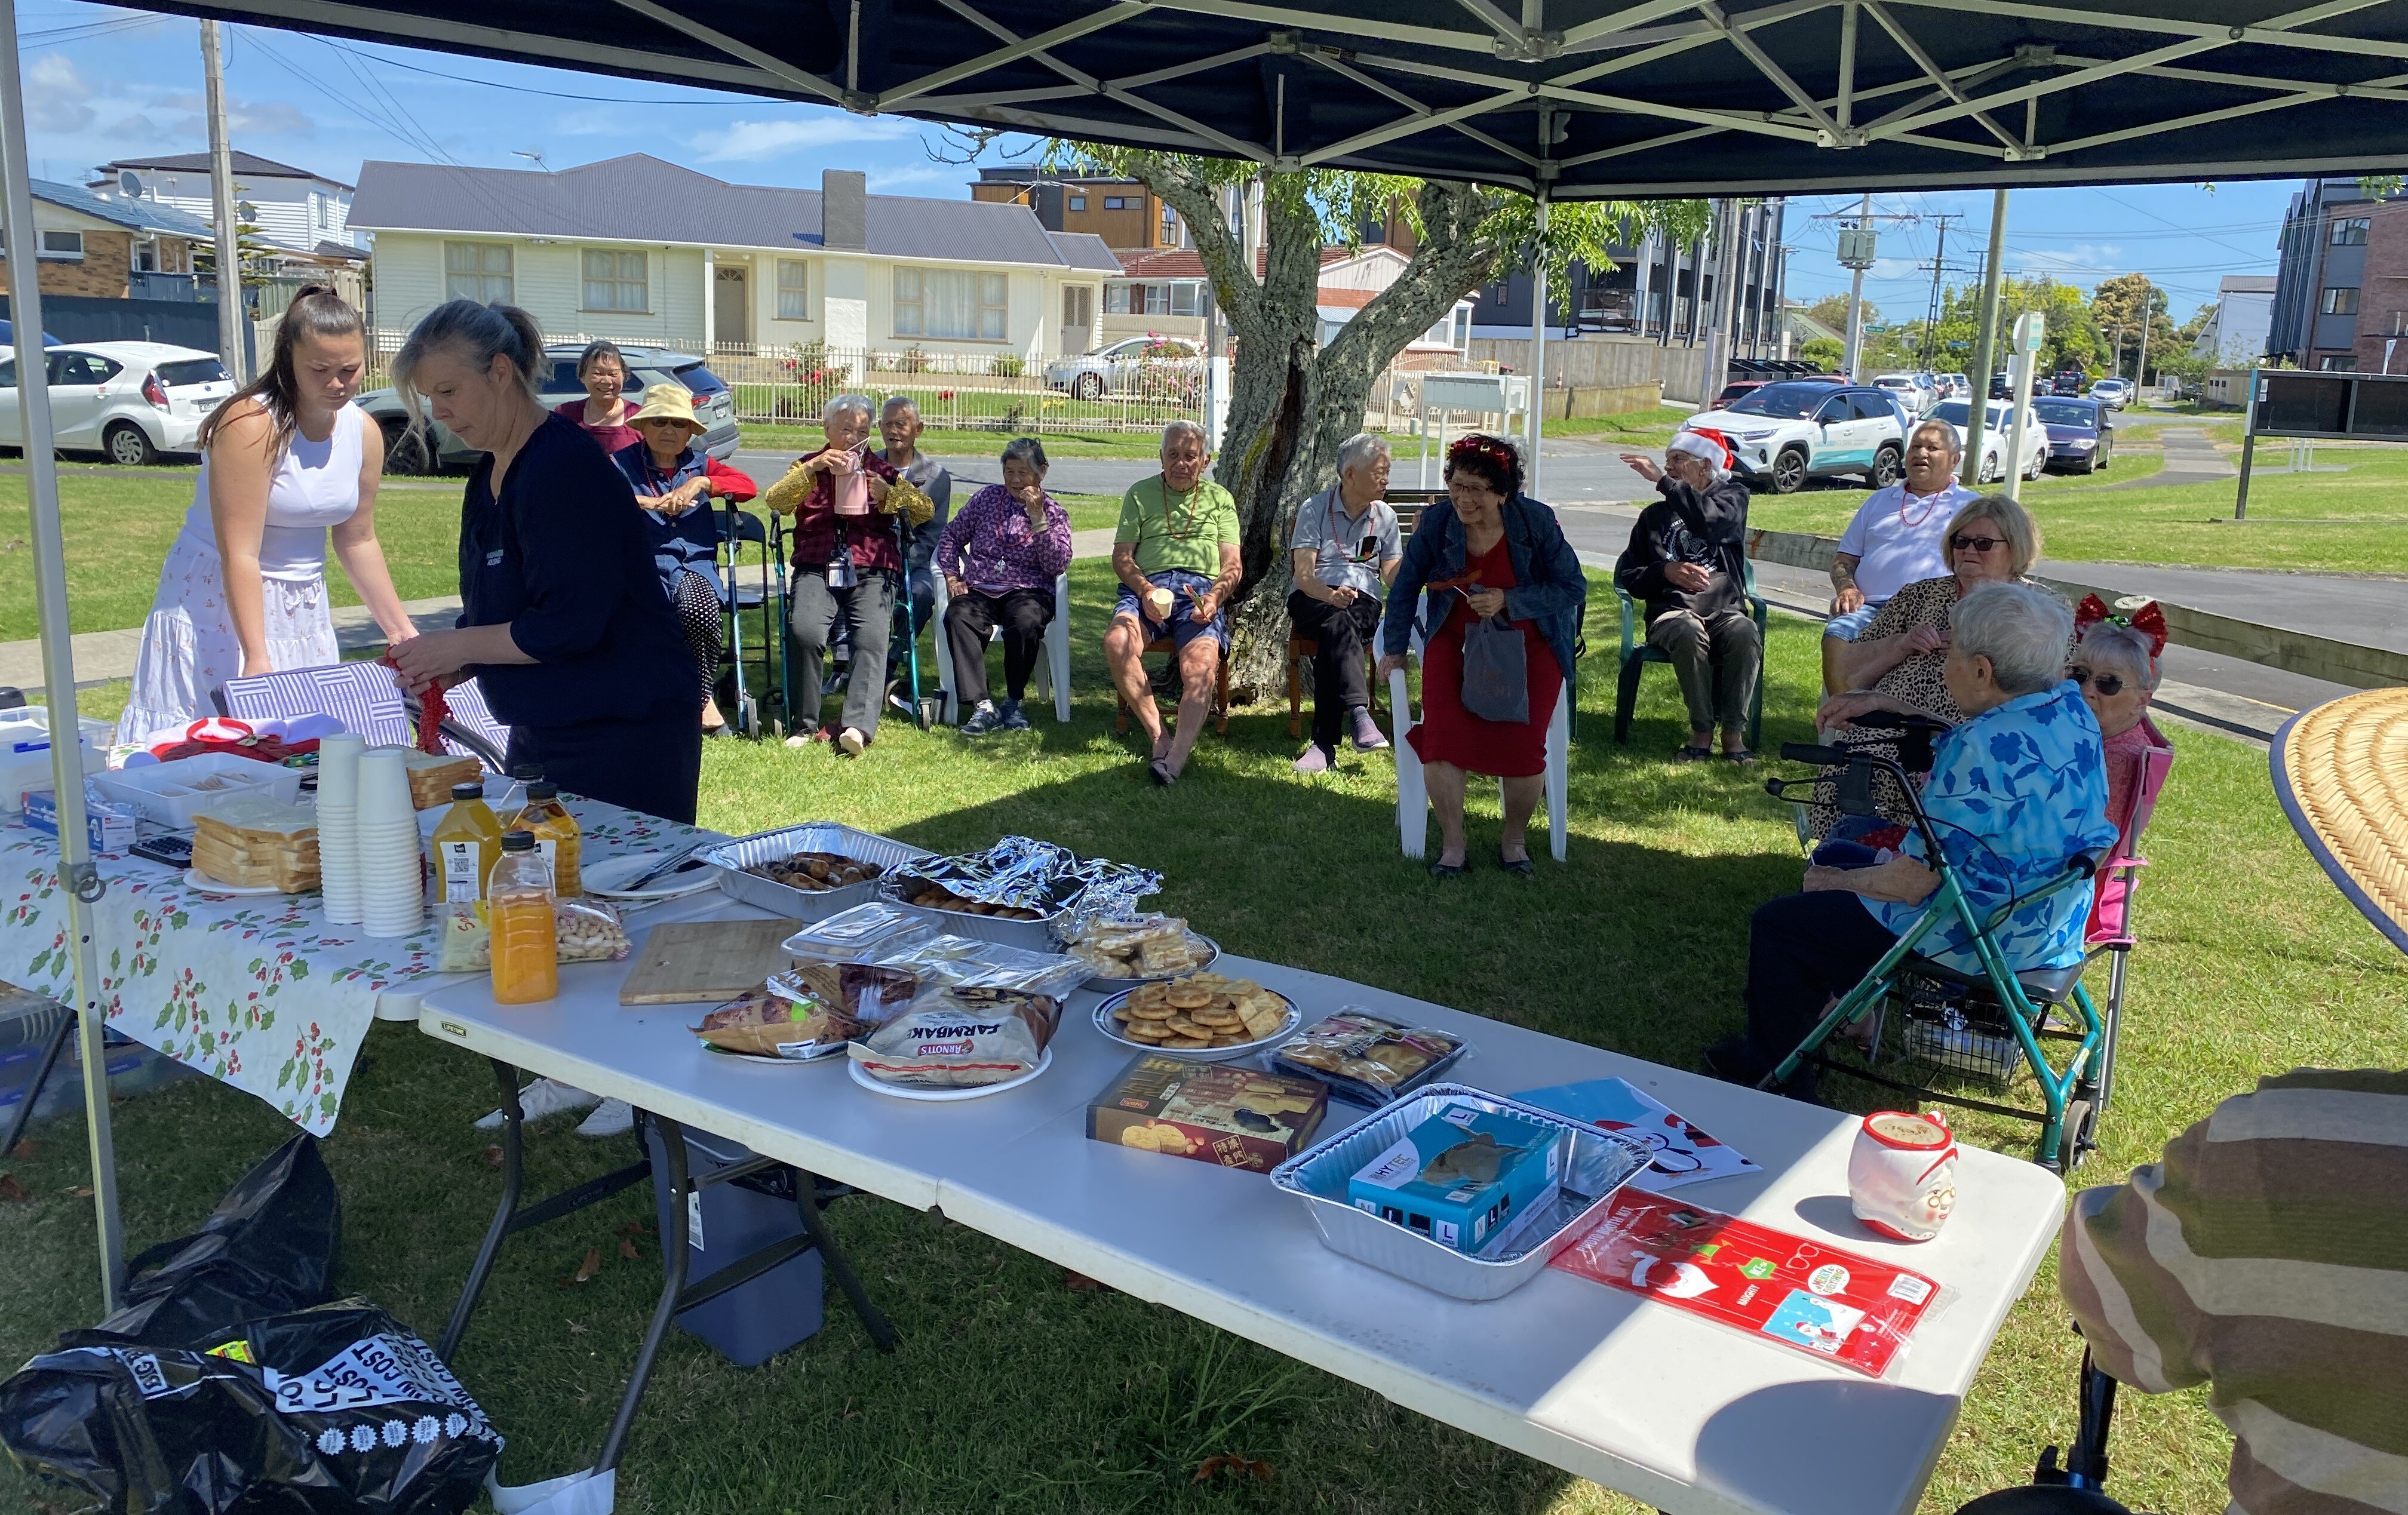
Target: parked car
[2080, 436]
[1786, 434]
[2114, 393]
[1916, 391]
[1997, 417]
[1133, 363]
[1955, 387]
[9, 334]
[714, 405]
[128, 401]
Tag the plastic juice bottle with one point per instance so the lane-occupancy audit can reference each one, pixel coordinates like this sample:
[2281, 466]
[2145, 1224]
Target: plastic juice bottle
[466, 843]
[517, 907]
[555, 835]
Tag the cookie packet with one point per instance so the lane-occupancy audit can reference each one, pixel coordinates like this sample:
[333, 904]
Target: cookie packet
[1210, 1112]
[1368, 1059]
[587, 930]
[778, 1019]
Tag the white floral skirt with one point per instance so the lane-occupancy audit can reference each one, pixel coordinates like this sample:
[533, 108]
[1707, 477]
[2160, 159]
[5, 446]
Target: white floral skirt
[188, 647]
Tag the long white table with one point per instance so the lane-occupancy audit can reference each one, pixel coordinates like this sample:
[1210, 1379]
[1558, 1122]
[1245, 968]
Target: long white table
[1678, 1412]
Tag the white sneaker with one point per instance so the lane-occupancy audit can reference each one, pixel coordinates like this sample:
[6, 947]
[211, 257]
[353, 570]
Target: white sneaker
[545, 1097]
[612, 1118]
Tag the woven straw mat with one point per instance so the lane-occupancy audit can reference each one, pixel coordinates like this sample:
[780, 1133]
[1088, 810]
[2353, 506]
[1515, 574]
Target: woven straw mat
[2348, 762]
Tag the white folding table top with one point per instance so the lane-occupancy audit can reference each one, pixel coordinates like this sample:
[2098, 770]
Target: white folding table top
[1679, 1412]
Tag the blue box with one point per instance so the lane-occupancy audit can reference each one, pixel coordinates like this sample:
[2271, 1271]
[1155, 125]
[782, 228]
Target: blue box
[726, 1223]
[1462, 1177]
[110, 826]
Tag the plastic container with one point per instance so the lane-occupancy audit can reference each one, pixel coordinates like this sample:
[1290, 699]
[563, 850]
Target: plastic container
[857, 935]
[171, 793]
[25, 751]
[525, 944]
[555, 835]
[466, 845]
[732, 858]
[728, 1223]
[27, 1020]
[1596, 1163]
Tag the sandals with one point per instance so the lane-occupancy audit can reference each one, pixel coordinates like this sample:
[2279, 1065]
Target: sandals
[1744, 758]
[1686, 753]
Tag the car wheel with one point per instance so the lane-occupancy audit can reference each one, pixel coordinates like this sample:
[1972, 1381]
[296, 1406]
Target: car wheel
[1088, 387]
[1788, 471]
[127, 447]
[1889, 466]
[405, 451]
[1992, 467]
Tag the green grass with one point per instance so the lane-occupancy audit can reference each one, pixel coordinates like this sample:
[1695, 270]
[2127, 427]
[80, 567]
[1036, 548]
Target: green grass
[1653, 425]
[1099, 1402]
[975, 443]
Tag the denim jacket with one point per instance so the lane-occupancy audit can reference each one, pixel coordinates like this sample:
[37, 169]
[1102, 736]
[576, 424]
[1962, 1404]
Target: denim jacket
[1548, 586]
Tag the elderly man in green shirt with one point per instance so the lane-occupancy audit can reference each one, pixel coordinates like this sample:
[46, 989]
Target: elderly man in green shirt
[1176, 554]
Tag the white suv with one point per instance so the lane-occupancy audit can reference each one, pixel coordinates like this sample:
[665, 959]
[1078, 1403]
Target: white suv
[1996, 443]
[1786, 434]
[128, 401]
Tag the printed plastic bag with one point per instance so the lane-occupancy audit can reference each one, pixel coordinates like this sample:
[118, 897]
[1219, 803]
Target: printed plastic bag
[337, 1410]
[1496, 671]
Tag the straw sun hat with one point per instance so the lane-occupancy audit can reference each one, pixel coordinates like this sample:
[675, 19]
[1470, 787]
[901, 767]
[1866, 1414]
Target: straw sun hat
[2340, 771]
[671, 402]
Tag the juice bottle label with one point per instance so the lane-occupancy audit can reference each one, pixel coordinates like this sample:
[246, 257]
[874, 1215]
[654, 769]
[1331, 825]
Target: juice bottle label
[457, 864]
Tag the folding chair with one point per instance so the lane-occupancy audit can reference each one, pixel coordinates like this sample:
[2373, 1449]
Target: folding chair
[368, 700]
[1052, 674]
[1413, 793]
[1985, 1024]
[2111, 906]
[1637, 653]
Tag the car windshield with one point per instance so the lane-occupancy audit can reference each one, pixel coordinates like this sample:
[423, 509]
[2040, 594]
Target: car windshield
[1956, 412]
[2065, 412]
[1782, 402]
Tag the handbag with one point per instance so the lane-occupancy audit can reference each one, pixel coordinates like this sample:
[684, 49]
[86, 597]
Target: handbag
[1496, 671]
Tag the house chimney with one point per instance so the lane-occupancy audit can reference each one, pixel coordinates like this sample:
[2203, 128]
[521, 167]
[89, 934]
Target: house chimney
[844, 209]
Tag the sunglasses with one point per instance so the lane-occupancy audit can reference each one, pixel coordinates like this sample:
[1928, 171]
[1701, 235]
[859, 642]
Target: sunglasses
[1962, 543]
[2107, 684]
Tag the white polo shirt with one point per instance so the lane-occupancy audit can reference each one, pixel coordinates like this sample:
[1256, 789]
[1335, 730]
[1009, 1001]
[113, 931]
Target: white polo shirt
[1898, 538]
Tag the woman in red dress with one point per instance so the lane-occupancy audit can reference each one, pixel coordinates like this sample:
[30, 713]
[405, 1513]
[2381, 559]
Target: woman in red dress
[1486, 550]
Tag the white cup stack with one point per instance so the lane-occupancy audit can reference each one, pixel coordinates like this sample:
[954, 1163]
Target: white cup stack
[391, 903]
[339, 836]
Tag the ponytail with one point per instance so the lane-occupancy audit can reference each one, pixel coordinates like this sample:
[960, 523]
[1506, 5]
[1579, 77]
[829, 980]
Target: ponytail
[477, 333]
[317, 312]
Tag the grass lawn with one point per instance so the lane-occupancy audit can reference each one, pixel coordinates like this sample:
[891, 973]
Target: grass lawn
[976, 444]
[1099, 1402]
[1656, 425]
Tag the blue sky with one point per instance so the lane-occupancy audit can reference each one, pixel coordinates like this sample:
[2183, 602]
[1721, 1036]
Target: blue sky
[105, 84]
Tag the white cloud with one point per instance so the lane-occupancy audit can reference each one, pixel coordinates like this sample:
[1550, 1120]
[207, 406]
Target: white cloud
[58, 98]
[748, 140]
[886, 180]
[262, 118]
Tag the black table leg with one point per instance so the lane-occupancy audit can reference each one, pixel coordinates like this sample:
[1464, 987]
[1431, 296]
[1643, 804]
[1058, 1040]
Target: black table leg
[34, 1091]
[673, 1264]
[872, 1319]
[513, 1175]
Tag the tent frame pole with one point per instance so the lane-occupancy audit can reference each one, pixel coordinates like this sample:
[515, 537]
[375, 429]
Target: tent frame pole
[77, 874]
[1538, 406]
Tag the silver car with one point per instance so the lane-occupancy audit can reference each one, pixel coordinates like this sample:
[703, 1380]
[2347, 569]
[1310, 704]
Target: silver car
[714, 405]
[127, 401]
[1146, 365]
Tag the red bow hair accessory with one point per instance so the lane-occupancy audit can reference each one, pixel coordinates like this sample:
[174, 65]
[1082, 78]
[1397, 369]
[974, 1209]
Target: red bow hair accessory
[2148, 621]
[1480, 445]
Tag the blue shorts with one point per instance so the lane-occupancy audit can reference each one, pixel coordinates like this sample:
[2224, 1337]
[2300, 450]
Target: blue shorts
[1847, 628]
[1185, 628]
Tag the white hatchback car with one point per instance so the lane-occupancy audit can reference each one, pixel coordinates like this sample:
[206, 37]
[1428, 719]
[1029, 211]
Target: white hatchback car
[1917, 392]
[1995, 441]
[127, 401]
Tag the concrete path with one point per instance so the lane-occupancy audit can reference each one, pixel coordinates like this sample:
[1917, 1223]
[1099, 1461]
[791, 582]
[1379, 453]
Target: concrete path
[2190, 459]
[104, 655]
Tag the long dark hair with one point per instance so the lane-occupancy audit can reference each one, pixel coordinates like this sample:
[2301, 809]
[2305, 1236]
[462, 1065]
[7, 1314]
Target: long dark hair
[316, 312]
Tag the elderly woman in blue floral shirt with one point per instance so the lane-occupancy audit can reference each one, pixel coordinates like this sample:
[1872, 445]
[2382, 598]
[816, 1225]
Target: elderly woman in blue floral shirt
[2017, 789]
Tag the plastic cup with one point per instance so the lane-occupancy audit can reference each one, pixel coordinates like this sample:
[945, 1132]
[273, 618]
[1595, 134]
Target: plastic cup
[338, 768]
[384, 788]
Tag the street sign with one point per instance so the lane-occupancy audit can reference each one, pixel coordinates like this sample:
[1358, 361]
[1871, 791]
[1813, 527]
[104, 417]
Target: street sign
[2031, 328]
[1856, 244]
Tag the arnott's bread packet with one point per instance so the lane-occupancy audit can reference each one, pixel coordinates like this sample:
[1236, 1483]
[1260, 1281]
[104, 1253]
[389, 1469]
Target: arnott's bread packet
[960, 1039]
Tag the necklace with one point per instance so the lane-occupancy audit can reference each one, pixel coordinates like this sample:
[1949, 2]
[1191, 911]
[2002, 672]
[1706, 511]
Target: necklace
[1911, 522]
[1174, 505]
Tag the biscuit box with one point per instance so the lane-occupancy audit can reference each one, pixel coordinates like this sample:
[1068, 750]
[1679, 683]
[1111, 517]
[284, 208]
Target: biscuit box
[1462, 1176]
[1215, 1112]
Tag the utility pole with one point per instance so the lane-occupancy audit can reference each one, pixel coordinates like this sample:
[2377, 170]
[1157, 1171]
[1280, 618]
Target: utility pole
[230, 311]
[2141, 367]
[1977, 408]
[2118, 351]
[1858, 249]
[1939, 262]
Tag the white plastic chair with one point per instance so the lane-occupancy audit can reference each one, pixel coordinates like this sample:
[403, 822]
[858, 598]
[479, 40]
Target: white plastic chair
[1413, 792]
[1053, 672]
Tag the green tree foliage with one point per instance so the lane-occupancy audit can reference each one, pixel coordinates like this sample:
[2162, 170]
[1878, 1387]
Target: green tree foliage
[2071, 337]
[2118, 303]
[1832, 311]
[1824, 350]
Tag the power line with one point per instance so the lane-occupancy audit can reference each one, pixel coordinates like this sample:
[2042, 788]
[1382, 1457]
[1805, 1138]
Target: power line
[523, 88]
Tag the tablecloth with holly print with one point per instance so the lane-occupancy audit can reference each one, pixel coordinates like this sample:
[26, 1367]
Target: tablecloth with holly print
[259, 991]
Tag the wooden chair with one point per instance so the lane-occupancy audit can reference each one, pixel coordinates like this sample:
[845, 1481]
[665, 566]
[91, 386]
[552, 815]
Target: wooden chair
[1409, 503]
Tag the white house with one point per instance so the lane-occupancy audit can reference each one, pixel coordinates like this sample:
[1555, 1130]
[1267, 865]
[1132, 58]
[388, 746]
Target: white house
[641, 249]
[2235, 337]
[293, 208]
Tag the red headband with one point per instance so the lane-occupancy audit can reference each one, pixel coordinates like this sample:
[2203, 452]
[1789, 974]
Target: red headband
[1487, 449]
[2148, 621]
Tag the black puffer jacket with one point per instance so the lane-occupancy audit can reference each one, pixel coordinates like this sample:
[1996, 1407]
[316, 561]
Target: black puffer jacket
[1709, 529]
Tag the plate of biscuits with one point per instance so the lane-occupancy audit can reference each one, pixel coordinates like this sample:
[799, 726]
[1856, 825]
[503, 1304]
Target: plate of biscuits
[1206, 1016]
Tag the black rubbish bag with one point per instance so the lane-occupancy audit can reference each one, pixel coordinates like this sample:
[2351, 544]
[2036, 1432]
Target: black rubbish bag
[267, 1248]
[337, 1410]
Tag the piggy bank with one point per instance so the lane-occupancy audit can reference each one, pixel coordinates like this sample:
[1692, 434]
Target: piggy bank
[1902, 1174]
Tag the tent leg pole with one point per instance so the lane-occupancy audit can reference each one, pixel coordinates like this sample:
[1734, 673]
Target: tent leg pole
[76, 872]
[1537, 409]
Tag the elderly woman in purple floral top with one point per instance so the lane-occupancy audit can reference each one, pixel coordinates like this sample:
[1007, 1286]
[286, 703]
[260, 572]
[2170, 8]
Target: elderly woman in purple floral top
[1000, 555]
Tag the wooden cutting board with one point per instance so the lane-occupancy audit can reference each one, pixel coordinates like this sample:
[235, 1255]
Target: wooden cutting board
[706, 962]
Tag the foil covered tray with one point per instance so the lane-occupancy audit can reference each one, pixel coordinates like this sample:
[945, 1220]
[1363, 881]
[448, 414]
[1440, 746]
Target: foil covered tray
[732, 858]
[1596, 1163]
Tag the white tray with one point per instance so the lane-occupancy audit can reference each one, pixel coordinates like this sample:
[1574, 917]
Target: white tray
[946, 1097]
[1106, 983]
[598, 877]
[198, 879]
[162, 792]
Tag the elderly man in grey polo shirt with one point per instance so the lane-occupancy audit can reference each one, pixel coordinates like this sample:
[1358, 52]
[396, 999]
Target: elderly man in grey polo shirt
[1346, 547]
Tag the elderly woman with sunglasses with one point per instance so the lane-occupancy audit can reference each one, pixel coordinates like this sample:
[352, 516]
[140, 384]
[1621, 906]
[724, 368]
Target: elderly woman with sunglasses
[2115, 664]
[1894, 665]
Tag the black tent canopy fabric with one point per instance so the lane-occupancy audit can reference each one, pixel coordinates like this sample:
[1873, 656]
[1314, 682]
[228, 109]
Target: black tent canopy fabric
[1582, 98]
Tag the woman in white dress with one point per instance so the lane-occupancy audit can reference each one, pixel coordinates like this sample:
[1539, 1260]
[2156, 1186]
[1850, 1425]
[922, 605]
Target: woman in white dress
[284, 462]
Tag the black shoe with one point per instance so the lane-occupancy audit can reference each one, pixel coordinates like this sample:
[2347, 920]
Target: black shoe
[981, 721]
[1521, 866]
[1160, 768]
[1448, 870]
[1009, 717]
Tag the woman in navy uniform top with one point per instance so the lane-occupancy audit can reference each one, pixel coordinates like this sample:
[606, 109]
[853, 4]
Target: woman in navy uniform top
[564, 621]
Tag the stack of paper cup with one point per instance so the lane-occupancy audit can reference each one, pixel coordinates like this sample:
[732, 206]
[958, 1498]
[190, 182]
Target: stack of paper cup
[339, 836]
[391, 901]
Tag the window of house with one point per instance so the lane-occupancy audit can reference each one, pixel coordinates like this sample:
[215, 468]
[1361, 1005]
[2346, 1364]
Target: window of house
[1169, 227]
[61, 247]
[1117, 299]
[478, 271]
[2341, 300]
[1078, 202]
[614, 281]
[1186, 298]
[794, 290]
[1115, 202]
[1157, 299]
[2350, 231]
[958, 304]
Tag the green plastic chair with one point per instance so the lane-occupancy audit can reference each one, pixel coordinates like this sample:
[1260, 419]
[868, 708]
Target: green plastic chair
[1637, 654]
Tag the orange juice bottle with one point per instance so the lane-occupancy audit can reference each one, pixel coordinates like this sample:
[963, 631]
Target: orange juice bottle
[518, 907]
[467, 843]
[555, 835]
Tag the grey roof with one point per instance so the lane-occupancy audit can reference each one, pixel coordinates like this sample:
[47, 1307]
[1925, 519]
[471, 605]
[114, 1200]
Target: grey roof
[640, 198]
[198, 163]
[1085, 249]
[134, 215]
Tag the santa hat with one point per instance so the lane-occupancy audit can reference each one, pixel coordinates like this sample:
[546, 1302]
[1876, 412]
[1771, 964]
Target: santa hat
[1702, 442]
